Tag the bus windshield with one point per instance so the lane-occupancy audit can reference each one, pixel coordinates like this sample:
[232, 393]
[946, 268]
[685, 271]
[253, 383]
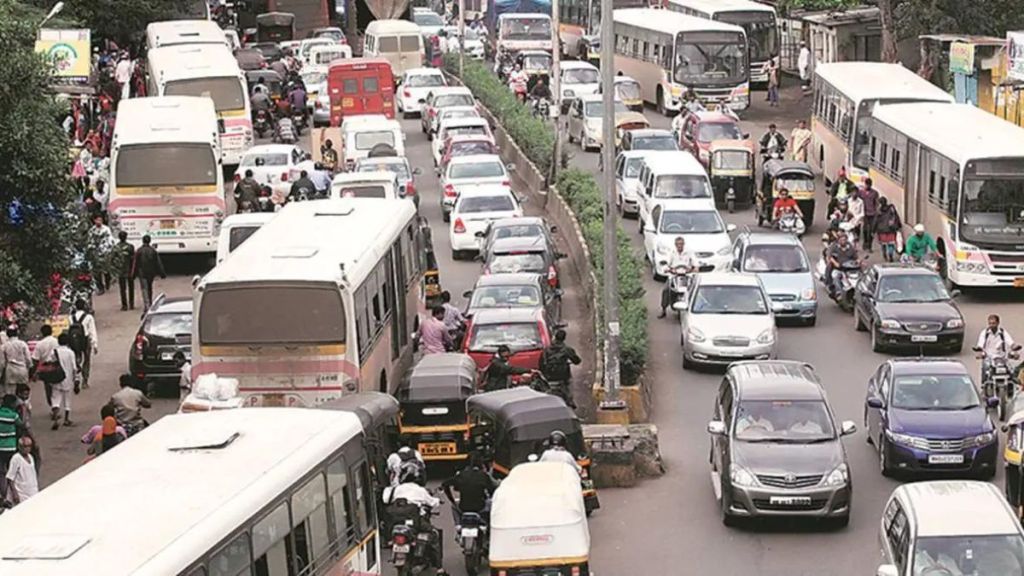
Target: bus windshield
[165, 165]
[761, 32]
[226, 92]
[307, 314]
[526, 29]
[710, 58]
[993, 210]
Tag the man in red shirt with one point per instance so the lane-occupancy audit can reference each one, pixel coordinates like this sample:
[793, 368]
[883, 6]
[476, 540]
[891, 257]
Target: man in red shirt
[784, 204]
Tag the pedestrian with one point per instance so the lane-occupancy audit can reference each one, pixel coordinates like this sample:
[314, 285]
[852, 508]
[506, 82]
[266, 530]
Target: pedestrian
[101, 437]
[887, 227]
[869, 196]
[123, 71]
[434, 336]
[329, 156]
[84, 339]
[147, 266]
[43, 358]
[804, 65]
[63, 390]
[24, 406]
[11, 426]
[22, 480]
[183, 364]
[15, 361]
[772, 69]
[128, 403]
[123, 259]
[103, 239]
[800, 140]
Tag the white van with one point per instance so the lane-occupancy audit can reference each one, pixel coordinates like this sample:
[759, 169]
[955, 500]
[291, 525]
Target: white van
[236, 229]
[669, 174]
[359, 134]
[397, 41]
[321, 56]
[378, 184]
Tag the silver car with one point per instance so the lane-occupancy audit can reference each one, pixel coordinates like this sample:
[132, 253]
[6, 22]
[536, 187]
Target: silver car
[726, 317]
[781, 263]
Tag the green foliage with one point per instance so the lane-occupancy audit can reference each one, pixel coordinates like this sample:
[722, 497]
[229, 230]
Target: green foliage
[986, 17]
[786, 6]
[123, 21]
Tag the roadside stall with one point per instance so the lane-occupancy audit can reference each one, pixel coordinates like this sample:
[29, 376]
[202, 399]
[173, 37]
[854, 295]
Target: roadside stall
[432, 417]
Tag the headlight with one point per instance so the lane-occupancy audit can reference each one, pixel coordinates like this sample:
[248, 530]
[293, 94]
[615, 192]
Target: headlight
[891, 324]
[704, 155]
[663, 249]
[809, 294]
[955, 323]
[766, 337]
[724, 250]
[838, 477]
[694, 334]
[983, 439]
[741, 477]
[904, 439]
[676, 90]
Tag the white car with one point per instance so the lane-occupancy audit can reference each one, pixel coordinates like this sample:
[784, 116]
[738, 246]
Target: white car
[274, 165]
[464, 126]
[627, 182]
[464, 173]
[429, 22]
[439, 99]
[473, 44]
[725, 318]
[698, 222]
[474, 211]
[416, 83]
[577, 79]
[670, 175]
[585, 115]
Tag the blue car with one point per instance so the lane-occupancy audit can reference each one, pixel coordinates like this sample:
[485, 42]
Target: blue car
[925, 415]
[781, 263]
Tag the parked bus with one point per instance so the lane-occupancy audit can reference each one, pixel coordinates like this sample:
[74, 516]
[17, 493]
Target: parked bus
[360, 86]
[226, 492]
[581, 18]
[213, 72]
[959, 171]
[758, 20]
[165, 175]
[179, 32]
[324, 300]
[844, 95]
[669, 53]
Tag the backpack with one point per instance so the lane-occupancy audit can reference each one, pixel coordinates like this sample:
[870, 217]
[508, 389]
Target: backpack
[76, 333]
[553, 361]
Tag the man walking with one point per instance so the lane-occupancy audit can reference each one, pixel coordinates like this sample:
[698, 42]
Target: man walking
[147, 266]
[15, 361]
[869, 196]
[21, 479]
[124, 260]
[804, 65]
[63, 390]
[44, 351]
[83, 339]
[10, 425]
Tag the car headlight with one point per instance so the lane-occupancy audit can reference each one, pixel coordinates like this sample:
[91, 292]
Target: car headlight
[983, 439]
[904, 439]
[890, 324]
[704, 155]
[838, 477]
[766, 337]
[955, 323]
[695, 334]
[741, 477]
[724, 250]
[663, 249]
[809, 294]
[676, 90]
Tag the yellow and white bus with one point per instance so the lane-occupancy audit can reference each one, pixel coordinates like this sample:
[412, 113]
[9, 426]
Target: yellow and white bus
[183, 32]
[845, 93]
[224, 493]
[165, 174]
[208, 70]
[323, 300]
[959, 171]
[669, 53]
[757, 19]
[581, 18]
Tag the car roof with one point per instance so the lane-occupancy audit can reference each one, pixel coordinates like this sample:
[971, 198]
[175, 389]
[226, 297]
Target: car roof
[674, 162]
[424, 71]
[270, 149]
[443, 90]
[651, 132]
[576, 65]
[775, 380]
[898, 269]
[518, 221]
[923, 366]
[535, 53]
[714, 116]
[356, 177]
[475, 158]
[771, 239]
[520, 243]
[507, 316]
[382, 160]
[728, 279]
[957, 508]
[586, 98]
[178, 305]
[688, 205]
[247, 219]
[463, 122]
[513, 279]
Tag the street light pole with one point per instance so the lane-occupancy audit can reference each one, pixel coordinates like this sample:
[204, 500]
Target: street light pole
[462, 38]
[53, 12]
[556, 85]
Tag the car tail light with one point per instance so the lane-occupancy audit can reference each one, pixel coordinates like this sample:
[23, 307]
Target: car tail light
[400, 539]
[140, 344]
[506, 183]
[284, 176]
[449, 191]
[460, 228]
[407, 93]
[410, 188]
[238, 178]
[552, 276]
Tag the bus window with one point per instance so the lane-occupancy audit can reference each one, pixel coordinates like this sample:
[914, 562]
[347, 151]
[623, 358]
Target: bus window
[309, 517]
[270, 543]
[337, 487]
[232, 559]
[350, 86]
[363, 497]
[371, 85]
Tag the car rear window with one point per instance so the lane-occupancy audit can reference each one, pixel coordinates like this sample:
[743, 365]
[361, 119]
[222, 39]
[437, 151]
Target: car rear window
[265, 160]
[168, 325]
[362, 192]
[486, 204]
[239, 234]
[424, 80]
[367, 140]
[476, 170]
[513, 263]
[467, 148]
[387, 44]
[516, 296]
[447, 100]
[518, 336]
[519, 231]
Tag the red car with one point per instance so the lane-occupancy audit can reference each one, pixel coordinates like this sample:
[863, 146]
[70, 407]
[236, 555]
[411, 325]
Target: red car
[466, 145]
[523, 330]
[700, 129]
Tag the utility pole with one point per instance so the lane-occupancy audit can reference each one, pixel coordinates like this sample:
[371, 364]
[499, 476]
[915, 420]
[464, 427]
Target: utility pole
[556, 85]
[462, 38]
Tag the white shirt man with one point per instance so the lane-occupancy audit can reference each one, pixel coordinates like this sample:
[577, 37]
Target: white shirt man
[682, 260]
[995, 343]
[44, 349]
[559, 454]
[396, 459]
[22, 482]
[804, 62]
[412, 493]
[123, 71]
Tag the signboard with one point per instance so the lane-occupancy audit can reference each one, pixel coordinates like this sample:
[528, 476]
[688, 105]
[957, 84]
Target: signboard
[961, 58]
[1015, 56]
[68, 50]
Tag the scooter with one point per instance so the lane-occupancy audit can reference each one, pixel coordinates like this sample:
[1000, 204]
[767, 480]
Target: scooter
[996, 382]
[262, 123]
[415, 542]
[678, 286]
[537, 381]
[541, 108]
[772, 154]
[299, 120]
[792, 223]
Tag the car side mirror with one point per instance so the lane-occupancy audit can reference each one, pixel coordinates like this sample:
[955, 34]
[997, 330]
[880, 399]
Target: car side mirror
[730, 227]
[847, 428]
[976, 348]
[553, 229]
[716, 428]
[662, 262]
[992, 402]
[467, 294]
[746, 135]
[479, 258]
[875, 402]
[480, 234]
[510, 167]
[416, 172]
[955, 293]
[195, 280]
[887, 570]
[680, 305]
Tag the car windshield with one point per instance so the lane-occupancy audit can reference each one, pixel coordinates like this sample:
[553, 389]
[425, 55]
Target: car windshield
[168, 325]
[367, 140]
[710, 131]
[505, 297]
[596, 109]
[476, 170]
[427, 19]
[400, 169]
[680, 186]
[729, 300]
[580, 76]
[473, 204]
[471, 34]
[518, 231]
[996, 555]
[627, 90]
[261, 159]
[688, 222]
[423, 80]
[666, 142]
[780, 258]
[938, 392]
[796, 184]
[783, 421]
[448, 100]
[520, 336]
[911, 288]
[518, 262]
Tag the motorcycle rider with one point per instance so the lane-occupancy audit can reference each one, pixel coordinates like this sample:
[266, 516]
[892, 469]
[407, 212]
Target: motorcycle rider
[540, 91]
[247, 193]
[773, 142]
[555, 365]
[410, 488]
[475, 487]
[303, 188]
[496, 376]
[680, 262]
[298, 99]
[453, 318]
[405, 459]
[557, 452]
[784, 204]
[321, 178]
[993, 342]
[920, 244]
[517, 81]
[839, 252]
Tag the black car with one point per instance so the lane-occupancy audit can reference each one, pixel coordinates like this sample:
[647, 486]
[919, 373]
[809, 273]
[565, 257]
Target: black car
[523, 254]
[517, 290]
[166, 328]
[908, 308]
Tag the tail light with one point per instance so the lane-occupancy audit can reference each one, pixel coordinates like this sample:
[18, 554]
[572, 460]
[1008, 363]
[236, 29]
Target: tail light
[400, 539]
[506, 183]
[238, 178]
[140, 344]
[449, 191]
[410, 188]
[284, 177]
[552, 277]
[407, 93]
[460, 228]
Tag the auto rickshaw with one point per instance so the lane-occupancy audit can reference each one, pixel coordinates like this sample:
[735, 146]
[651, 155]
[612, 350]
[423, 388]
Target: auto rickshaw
[535, 63]
[626, 121]
[796, 177]
[1014, 429]
[539, 522]
[628, 90]
[732, 172]
[271, 79]
[507, 426]
[275, 27]
[432, 417]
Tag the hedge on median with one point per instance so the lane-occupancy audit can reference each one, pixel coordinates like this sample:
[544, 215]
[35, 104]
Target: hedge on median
[536, 138]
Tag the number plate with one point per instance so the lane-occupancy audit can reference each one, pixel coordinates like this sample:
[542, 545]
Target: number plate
[924, 338]
[1018, 282]
[273, 400]
[790, 500]
[438, 448]
[168, 224]
[167, 356]
[946, 459]
[400, 548]
[470, 532]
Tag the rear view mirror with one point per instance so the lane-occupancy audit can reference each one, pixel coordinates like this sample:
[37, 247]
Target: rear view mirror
[875, 402]
[955, 293]
[554, 229]
[716, 428]
[847, 428]
[480, 234]
[557, 292]
[510, 167]
[746, 135]
[662, 262]
[560, 325]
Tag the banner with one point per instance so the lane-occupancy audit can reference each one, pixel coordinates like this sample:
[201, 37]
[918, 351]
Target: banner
[1015, 56]
[961, 58]
[68, 50]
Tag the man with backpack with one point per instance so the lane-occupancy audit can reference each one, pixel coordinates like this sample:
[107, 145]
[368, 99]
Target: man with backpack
[83, 339]
[406, 461]
[555, 365]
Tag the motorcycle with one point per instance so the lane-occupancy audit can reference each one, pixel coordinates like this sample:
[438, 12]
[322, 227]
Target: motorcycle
[678, 286]
[996, 381]
[471, 534]
[262, 123]
[541, 108]
[415, 542]
[299, 121]
[849, 275]
[792, 223]
[265, 199]
[772, 154]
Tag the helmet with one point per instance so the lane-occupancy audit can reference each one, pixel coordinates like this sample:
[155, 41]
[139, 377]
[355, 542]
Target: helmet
[919, 228]
[557, 438]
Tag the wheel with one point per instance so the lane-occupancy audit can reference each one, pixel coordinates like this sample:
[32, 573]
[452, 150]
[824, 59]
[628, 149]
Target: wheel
[876, 343]
[472, 562]
[406, 569]
[687, 363]
[456, 255]
[883, 460]
[662, 109]
[446, 216]
[639, 224]
[858, 324]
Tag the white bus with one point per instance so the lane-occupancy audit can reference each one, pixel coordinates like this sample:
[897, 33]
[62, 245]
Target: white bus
[165, 174]
[669, 53]
[960, 171]
[222, 493]
[211, 71]
[757, 19]
[182, 32]
[324, 300]
[579, 19]
[844, 95]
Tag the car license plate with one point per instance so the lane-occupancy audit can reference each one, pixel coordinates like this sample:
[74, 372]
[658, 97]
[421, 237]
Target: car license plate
[946, 459]
[166, 356]
[1018, 282]
[168, 224]
[273, 400]
[470, 532]
[790, 500]
[438, 448]
[924, 338]
[400, 548]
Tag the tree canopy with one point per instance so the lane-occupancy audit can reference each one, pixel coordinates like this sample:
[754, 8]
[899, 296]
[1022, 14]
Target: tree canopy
[120, 20]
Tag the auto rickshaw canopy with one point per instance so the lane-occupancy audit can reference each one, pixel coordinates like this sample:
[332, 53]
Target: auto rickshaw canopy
[440, 378]
[372, 408]
[526, 417]
[777, 169]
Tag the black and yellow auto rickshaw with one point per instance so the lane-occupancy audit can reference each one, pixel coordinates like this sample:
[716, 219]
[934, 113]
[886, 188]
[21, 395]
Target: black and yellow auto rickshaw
[796, 177]
[271, 79]
[432, 418]
[275, 27]
[732, 172]
[536, 64]
[510, 425]
[432, 275]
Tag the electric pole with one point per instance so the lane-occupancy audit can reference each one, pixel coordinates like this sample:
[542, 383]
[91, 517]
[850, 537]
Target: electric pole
[462, 38]
[556, 85]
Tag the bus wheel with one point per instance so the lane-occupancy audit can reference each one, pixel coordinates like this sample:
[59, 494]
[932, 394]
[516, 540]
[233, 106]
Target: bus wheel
[661, 103]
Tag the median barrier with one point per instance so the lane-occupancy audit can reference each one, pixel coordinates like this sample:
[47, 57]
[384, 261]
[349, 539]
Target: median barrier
[622, 455]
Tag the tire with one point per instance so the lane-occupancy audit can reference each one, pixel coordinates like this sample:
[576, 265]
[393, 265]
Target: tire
[662, 109]
[883, 461]
[876, 344]
[446, 216]
[858, 324]
[472, 561]
[406, 569]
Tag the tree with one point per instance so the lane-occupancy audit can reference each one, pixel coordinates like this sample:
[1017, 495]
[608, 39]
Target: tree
[122, 21]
